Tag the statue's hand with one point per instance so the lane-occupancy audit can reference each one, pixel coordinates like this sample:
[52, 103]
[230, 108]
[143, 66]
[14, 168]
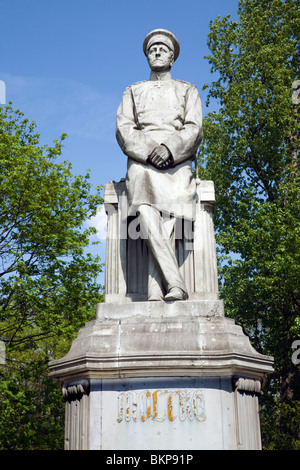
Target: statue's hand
[160, 157]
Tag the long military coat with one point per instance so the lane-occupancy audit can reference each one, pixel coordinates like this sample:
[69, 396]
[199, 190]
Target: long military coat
[165, 112]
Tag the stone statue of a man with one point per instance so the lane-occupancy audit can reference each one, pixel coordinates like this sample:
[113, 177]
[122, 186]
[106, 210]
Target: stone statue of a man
[159, 128]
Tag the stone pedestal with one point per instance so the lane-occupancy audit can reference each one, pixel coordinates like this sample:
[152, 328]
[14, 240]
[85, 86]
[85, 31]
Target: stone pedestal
[162, 375]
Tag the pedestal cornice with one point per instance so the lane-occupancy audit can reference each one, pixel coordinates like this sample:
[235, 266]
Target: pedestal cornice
[155, 339]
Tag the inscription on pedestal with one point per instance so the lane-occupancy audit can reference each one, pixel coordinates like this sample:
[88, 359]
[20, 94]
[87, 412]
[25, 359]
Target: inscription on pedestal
[161, 405]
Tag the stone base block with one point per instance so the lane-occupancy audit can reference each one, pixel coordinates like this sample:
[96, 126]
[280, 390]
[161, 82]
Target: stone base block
[165, 413]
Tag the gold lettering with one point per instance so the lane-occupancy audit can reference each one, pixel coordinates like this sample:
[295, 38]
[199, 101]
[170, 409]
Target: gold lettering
[161, 405]
[149, 406]
[154, 396]
[145, 405]
[170, 408]
[198, 405]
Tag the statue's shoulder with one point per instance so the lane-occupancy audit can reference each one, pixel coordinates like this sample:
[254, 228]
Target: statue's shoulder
[183, 83]
[137, 85]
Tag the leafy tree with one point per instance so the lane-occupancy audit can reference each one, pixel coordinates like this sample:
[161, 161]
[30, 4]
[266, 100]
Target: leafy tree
[31, 405]
[48, 280]
[250, 151]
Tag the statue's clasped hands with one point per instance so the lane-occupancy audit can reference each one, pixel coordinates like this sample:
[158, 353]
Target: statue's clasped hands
[160, 157]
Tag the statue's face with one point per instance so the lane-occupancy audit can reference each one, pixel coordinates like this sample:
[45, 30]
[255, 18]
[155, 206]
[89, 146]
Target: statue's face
[160, 58]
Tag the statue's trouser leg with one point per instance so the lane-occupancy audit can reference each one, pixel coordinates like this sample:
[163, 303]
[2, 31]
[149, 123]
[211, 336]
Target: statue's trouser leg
[155, 284]
[157, 235]
[156, 290]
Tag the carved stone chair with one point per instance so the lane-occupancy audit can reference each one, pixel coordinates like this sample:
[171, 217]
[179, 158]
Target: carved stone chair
[126, 272]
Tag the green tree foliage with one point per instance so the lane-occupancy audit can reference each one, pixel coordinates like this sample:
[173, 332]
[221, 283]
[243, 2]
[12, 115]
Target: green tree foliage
[48, 280]
[250, 151]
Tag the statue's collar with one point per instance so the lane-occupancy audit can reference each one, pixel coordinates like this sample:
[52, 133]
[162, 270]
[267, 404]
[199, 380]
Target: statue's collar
[156, 76]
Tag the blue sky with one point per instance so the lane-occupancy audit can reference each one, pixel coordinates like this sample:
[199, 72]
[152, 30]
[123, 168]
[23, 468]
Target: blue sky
[66, 64]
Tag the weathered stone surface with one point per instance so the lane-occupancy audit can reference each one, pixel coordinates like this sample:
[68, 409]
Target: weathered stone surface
[166, 413]
[160, 339]
[161, 375]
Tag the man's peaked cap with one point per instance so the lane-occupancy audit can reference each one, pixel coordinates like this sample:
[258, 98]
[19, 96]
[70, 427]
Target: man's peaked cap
[161, 36]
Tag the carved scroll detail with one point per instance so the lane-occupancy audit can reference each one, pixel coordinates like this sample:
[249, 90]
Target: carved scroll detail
[75, 390]
[248, 385]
